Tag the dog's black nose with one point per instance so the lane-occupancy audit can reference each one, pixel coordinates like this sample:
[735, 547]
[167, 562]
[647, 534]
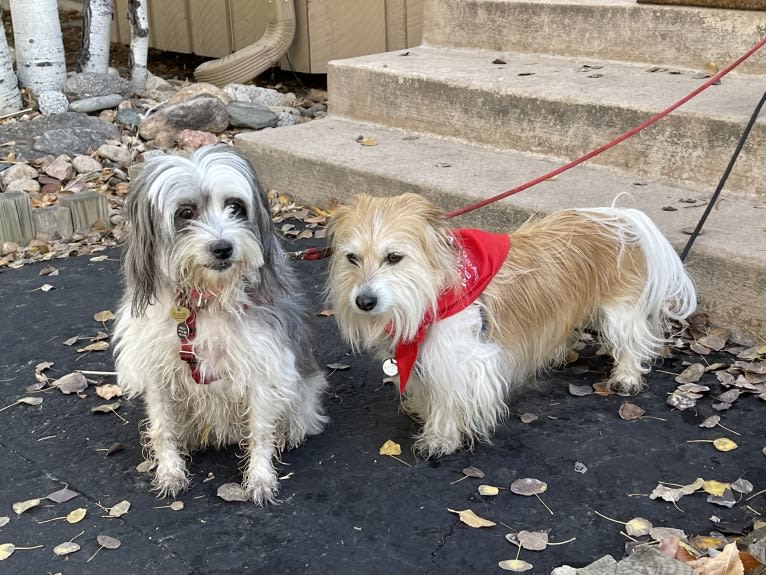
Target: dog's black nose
[221, 249]
[366, 302]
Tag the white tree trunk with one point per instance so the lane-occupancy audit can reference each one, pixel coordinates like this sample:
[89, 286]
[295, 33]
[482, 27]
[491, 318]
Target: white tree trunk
[96, 34]
[39, 47]
[9, 84]
[139, 44]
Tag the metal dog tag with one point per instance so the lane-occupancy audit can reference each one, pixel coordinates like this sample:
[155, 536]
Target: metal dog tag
[390, 368]
[183, 330]
[179, 314]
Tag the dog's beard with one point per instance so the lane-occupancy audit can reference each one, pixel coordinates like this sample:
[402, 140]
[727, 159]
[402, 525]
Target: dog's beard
[191, 266]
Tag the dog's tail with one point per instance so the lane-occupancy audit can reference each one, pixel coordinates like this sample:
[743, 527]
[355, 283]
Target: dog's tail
[669, 291]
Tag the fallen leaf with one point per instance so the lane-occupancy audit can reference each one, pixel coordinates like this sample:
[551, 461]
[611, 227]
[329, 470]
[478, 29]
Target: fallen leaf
[48, 271]
[338, 366]
[95, 346]
[114, 448]
[99, 258]
[473, 472]
[714, 487]
[119, 509]
[231, 492]
[699, 349]
[390, 448]
[533, 540]
[47, 287]
[602, 388]
[66, 548]
[108, 542]
[103, 316]
[724, 444]
[4, 520]
[713, 341]
[370, 141]
[580, 467]
[30, 400]
[527, 417]
[638, 527]
[488, 490]
[77, 515]
[727, 562]
[21, 506]
[528, 486]
[105, 407]
[470, 518]
[629, 411]
[109, 391]
[71, 341]
[515, 565]
[727, 499]
[145, 466]
[711, 421]
[62, 495]
[71, 383]
[660, 533]
[580, 390]
[176, 505]
[742, 486]
[705, 542]
[6, 550]
[691, 374]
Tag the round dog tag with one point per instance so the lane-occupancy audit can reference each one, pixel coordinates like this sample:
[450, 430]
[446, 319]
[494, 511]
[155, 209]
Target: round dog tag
[179, 313]
[390, 368]
[183, 330]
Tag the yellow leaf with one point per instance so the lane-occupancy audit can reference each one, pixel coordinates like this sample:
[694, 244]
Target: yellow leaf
[515, 565]
[390, 448]
[95, 346]
[6, 550]
[471, 519]
[119, 509]
[66, 548]
[488, 490]
[370, 141]
[76, 516]
[714, 487]
[638, 527]
[22, 506]
[724, 444]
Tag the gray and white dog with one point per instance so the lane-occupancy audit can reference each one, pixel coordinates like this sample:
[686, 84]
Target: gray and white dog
[210, 330]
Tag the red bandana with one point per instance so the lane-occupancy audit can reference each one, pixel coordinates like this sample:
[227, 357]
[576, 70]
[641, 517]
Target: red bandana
[481, 256]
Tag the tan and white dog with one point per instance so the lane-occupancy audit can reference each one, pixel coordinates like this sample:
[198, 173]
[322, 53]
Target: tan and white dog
[465, 316]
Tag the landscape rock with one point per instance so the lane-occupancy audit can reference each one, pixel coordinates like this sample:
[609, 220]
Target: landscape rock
[96, 103]
[52, 102]
[257, 95]
[60, 168]
[249, 115]
[158, 88]
[84, 85]
[193, 90]
[17, 172]
[117, 154]
[287, 118]
[85, 164]
[23, 185]
[193, 139]
[128, 117]
[204, 112]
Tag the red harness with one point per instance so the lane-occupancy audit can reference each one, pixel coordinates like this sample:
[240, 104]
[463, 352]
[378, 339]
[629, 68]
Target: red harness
[481, 256]
[185, 313]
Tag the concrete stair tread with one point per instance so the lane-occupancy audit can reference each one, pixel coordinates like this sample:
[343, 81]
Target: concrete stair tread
[567, 79]
[458, 173]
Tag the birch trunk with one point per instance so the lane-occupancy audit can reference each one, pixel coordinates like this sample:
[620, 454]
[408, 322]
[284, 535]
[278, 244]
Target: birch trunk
[139, 44]
[40, 61]
[96, 34]
[9, 84]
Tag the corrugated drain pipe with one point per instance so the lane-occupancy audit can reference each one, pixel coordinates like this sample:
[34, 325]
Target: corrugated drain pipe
[247, 63]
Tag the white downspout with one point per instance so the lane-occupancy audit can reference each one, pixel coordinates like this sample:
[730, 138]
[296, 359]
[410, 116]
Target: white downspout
[247, 63]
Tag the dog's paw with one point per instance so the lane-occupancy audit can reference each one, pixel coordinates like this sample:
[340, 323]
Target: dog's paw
[431, 447]
[626, 385]
[169, 482]
[261, 487]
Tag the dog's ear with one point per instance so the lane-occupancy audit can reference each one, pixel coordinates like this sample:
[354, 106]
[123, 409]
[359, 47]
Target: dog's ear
[139, 261]
[274, 271]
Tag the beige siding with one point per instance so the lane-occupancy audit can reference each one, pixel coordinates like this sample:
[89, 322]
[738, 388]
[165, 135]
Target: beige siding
[325, 29]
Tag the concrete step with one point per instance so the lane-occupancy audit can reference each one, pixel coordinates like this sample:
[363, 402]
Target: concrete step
[322, 161]
[684, 36]
[562, 107]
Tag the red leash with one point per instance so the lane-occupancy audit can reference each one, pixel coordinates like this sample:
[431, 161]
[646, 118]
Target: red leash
[654, 119]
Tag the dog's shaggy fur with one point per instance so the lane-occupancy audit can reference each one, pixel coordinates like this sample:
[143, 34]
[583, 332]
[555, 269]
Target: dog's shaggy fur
[200, 238]
[605, 268]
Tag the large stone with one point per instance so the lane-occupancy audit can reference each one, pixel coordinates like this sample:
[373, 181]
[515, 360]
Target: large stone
[60, 168]
[257, 95]
[26, 185]
[80, 86]
[193, 90]
[68, 133]
[193, 139]
[18, 171]
[52, 102]
[96, 103]
[84, 164]
[117, 154]
[204, 112]
[248, 115]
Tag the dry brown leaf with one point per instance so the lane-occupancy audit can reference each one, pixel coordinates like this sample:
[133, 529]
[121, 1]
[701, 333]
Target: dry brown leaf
[638, 527]
[473, 472]
[105, 407]
[602, 388]
[470, 518]
[30, 400]
[580, 390]
[390, 448]
[742, 486]
[108, 542]
[711, 421]
[109, 391]
[527, 417]
[533, 540]
[727, 562]
[528, 486]
[71, 383]
[71, 341]
[103, 316]
[629, 411]
[231, 492]
[95, 346]
[691, 374]
[660, 533]
[62, 495]
[176, 505]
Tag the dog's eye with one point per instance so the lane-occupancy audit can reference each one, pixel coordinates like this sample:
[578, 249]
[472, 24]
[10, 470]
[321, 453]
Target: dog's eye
[185, 213]
[236, 208]
[352, 259]
[394, 258]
